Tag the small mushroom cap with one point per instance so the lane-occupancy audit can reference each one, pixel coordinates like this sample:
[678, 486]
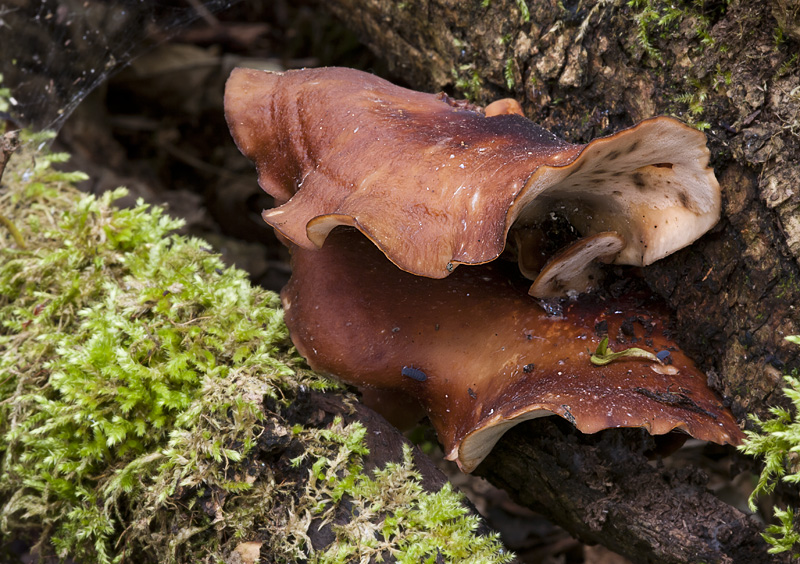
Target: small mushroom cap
[573, 269]
[435, 183]
[480, 355]
[504, 106]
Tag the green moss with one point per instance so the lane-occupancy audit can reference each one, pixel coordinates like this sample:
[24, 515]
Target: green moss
[691, 105]
[695, 100]
[657, 18]
[645, 16]
[778, 37]
[390, 511]
[115, 335]
[777, 442]
[468, 81]
[138, 375]
[787, 66]
[508, 73]
[524, 12]
[5, 94]
[786, 285]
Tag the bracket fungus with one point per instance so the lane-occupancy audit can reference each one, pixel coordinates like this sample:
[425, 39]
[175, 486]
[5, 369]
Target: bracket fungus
[435, 183]
[481, 355]
[432, 183]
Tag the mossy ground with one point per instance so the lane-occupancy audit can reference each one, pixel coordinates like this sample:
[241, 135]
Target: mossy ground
[141, 383]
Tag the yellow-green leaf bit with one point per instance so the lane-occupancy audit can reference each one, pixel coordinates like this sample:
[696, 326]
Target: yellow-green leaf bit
[604, 355]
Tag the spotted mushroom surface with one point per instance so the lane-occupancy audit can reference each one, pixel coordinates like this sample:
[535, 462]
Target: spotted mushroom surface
[435, 183]
[481, 355]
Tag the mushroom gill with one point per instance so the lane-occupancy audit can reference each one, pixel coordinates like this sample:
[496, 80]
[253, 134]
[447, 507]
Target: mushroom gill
[480, 355]
[436, 183]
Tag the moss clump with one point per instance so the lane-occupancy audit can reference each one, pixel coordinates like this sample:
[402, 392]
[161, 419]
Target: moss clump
[5, 94]
[132, 363]
[142, 382]
[777, 441]
[391, 513]
[659, 18]
[468, 81]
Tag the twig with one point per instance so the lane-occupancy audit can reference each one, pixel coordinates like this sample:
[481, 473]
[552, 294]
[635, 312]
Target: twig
[8, 144]
[14, 231]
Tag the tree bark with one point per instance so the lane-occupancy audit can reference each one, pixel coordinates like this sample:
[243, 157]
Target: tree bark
[602, 489]
[587, 69]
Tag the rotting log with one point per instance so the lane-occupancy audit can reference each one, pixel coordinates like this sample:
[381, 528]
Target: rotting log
[603, 489]
[587, 69]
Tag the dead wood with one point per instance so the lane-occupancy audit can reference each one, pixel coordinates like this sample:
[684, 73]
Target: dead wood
[603, 489]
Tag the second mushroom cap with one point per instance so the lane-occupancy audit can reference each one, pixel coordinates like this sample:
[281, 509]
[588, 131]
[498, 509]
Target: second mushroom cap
[480, 355]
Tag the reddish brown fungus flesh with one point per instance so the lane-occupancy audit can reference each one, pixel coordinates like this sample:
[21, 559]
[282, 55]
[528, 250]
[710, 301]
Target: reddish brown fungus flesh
[435, 183]
[488, 352]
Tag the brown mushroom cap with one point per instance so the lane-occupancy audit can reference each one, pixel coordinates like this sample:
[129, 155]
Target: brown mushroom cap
[434, 183]
[480, 355]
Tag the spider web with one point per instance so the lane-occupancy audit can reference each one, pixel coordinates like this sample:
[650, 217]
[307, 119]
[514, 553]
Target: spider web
[54, 52]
